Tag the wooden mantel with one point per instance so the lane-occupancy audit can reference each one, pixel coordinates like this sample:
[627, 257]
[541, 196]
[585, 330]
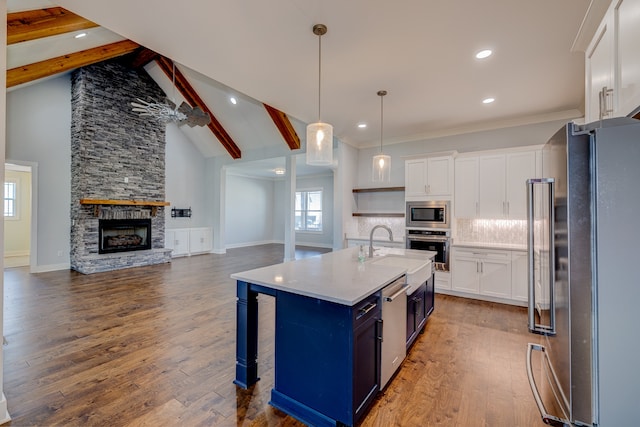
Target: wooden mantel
[98, 202]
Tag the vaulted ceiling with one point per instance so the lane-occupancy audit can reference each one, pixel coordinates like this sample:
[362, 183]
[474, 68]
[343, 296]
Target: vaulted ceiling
[265, 53]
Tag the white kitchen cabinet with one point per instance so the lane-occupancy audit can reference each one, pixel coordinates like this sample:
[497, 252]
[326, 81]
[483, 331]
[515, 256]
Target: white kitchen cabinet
[466, 187]
[188, 241]
[492, 182]
[627, 20]
[612, 63]
[442, 280]
[520, 167]
[481, 271]
[200, 240]
[493, 186]
[429, 178]
[519, 276]
[178, 240]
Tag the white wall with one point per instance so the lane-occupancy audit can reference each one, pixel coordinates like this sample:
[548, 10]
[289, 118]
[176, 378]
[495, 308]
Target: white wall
[249, 209]
[185, 180]
[39, 131]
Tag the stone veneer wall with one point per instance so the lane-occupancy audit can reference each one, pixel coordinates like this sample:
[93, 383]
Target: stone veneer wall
[108, 143]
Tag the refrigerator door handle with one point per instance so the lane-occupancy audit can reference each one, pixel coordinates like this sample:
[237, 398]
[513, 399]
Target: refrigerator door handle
[534, 327]
[546, 417]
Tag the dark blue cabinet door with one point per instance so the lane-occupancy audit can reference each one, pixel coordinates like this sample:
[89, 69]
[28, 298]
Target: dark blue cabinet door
[366, 375]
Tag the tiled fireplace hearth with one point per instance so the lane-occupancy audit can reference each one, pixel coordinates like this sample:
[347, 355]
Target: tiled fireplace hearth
[117, 171]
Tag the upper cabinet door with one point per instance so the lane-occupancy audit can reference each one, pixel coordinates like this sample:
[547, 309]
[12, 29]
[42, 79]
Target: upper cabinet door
[627, 24]
[415, 178]
[520, 168]
[438, 176]
[599, 79]
[492, 187]
[466, 187]
[428, 178]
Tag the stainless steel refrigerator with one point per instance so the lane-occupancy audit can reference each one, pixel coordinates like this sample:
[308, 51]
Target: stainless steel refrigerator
[584, 276]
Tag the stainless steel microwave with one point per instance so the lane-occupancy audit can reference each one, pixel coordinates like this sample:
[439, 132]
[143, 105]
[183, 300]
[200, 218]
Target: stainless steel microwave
[428, 214]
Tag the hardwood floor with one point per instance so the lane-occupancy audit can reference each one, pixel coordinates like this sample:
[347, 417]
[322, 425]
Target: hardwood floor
[155, 346]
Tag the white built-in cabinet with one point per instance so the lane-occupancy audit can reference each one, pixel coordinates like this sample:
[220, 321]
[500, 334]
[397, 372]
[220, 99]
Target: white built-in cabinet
[496, 274]
[189, 241]
[519, 276]
[493, 186]
[429, 178]
[481, 271]
[612, 63]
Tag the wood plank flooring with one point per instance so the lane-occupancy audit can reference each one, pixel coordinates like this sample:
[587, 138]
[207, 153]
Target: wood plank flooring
[155, 346]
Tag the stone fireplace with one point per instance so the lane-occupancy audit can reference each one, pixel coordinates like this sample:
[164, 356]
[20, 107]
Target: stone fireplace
[117, 171]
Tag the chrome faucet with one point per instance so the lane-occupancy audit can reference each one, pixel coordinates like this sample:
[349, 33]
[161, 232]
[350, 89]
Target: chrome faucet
[371, 237]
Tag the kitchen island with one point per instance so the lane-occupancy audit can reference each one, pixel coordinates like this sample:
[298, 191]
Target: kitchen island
[328, 330]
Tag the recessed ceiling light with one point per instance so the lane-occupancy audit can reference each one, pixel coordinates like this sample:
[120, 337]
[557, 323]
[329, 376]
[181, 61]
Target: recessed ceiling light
[488, 100]
[484, 54]
[80, 35]
[362, 125]
[233, 100]
[279, 171]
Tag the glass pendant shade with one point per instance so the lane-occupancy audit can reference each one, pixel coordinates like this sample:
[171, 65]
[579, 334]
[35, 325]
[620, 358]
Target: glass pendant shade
[319, 144]
[381, 168]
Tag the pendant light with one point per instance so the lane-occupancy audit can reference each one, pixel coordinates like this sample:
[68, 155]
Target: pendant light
[381, 162]
[319, 135]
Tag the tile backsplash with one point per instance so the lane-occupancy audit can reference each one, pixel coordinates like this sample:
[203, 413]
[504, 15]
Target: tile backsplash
[500, 231]
[397, 225]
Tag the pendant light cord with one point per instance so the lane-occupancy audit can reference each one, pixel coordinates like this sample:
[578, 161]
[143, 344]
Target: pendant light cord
[381, 94]
[319, 74]
[381, 120]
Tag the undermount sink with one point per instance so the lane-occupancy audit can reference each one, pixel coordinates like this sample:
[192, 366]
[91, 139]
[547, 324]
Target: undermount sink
[418, 270]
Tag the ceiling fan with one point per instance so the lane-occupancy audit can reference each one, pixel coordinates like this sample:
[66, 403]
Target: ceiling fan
[169, 112]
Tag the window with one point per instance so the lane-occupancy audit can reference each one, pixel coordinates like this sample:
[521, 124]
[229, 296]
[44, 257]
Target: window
[10, 199]
[309, 210]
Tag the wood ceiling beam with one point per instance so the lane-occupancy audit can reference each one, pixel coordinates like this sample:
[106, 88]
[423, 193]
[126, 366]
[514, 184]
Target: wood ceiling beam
[285, 127]
[191, 96]
[61, 64]
[142, 57]
[36, 24]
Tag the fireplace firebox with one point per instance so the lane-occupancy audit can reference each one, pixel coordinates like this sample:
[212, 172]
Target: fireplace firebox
[122, 235]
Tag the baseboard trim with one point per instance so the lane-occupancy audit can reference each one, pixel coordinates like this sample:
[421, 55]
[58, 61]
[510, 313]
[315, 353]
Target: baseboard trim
[4, 413]
[50, 267]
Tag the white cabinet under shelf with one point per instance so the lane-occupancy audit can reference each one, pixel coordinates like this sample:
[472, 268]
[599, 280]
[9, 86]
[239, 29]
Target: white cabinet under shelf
[519, 276]
[429, 178]
[481, 271]
[188, 241]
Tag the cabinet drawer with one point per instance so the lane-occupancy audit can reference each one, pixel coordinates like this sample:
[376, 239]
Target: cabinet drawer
[482, 254]
[366, 309]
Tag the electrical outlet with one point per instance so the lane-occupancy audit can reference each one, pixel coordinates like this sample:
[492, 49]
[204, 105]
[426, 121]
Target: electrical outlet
[59, 253]
[126, 179]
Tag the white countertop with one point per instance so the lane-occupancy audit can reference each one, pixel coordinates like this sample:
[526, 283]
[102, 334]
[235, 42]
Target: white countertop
[335, 276]
[483, 245]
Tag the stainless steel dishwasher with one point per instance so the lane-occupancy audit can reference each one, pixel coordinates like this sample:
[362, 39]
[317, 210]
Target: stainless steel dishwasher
[394, 323]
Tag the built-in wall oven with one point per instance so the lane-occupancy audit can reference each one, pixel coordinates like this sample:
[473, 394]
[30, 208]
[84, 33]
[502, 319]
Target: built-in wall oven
[428, 214]
[431, 240]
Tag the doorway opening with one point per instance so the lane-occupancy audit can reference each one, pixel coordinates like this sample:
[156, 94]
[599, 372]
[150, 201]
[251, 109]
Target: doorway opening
[18, 212]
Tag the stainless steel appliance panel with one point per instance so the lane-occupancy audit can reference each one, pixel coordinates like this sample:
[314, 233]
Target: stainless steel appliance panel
[428, 214]
[617, 177]
[588, 375]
